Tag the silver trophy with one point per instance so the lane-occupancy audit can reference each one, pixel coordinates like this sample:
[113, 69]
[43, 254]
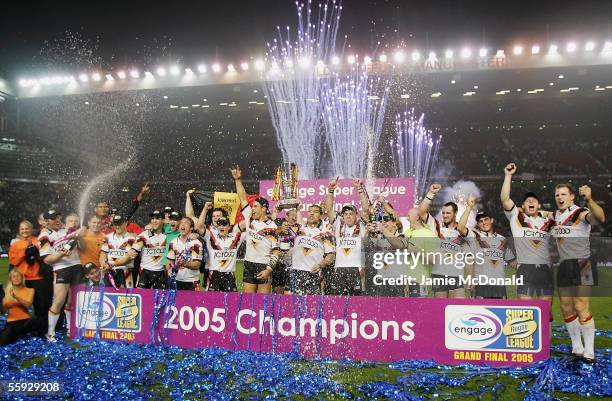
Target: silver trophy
[286, 186]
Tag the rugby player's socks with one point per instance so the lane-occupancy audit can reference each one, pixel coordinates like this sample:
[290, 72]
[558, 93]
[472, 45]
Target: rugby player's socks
[67, 314]
[574, 329]
[587, 327]
[53, 318]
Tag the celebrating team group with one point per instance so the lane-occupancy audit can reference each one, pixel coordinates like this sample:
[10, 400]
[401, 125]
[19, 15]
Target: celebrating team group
[328, 252]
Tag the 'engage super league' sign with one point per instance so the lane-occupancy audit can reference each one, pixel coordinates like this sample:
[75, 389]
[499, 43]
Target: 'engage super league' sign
[398, 191]
[453, 331]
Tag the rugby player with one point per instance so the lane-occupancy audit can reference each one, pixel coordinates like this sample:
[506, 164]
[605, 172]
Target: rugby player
[58, 248]
[577, 274]
[313, 251]
[222, 246]
[446, 270]
[349, 231]
[115, 258]
[207, 221]
[494, 247]
[262, 248]
[421, 239]
[151, 246]
[531, 232]
[185, 254]
[379, 241]
[288, 228]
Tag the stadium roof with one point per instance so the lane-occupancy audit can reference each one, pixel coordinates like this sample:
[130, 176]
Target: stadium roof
[400, 61]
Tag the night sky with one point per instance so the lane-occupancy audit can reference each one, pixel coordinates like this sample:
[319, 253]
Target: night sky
[132, 33]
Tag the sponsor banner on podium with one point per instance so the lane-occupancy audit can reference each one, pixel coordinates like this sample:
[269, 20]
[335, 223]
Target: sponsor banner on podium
[380, 329]
[398, 191]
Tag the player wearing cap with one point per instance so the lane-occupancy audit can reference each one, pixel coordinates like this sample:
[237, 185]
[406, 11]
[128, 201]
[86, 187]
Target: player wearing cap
[171, 229]
[349, 231]
[262, 249]
[151, 245]
[167, 211]
[92, 274]
[313, 251]
[210, 216]
[445, 271]
[115, 258]
[577, 271]
[184, 257]
[207, 221]
[204, 221]
[58, 248]
[531, 232]
[494, 247]
[222, 246]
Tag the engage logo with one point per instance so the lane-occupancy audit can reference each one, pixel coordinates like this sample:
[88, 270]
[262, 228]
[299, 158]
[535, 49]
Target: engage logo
[117, 312]
[470, 327]
[89, 311]
[475, 327]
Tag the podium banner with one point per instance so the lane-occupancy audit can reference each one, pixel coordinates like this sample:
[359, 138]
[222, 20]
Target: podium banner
[378, 329]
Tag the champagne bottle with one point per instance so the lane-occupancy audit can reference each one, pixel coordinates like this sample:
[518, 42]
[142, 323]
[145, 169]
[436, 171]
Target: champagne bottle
[70, 245]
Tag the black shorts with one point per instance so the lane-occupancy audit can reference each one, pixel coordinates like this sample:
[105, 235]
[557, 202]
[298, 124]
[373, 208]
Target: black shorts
[490, 292]
[450, 283]
[577, 272]
[251, 270]
[221, 281]
[72, 275]
[303, 282]
[416, 291]
[120, 277]
[279, 276]
[342, 281]
[187, 285]
[153, 279]
[537, 280]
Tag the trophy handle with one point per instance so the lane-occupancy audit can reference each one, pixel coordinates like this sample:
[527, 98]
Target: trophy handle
[294, 175]
[277, 183]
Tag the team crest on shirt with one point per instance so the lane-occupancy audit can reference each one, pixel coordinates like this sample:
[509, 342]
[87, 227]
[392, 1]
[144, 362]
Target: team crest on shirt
[535, 243]
[306, 251]
[347, 245]
[195, 251]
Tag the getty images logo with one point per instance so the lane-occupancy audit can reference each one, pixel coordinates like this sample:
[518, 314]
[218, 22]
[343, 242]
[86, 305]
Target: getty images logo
[470, 327]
